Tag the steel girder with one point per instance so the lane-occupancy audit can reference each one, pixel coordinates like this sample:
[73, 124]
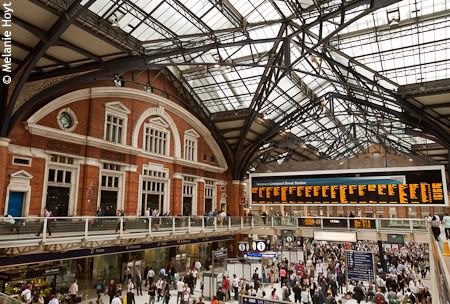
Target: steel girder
[27, 66]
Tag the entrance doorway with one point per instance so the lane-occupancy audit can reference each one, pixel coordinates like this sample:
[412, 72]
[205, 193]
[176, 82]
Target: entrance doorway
[187, 206]
[58, 200]
[108, 202]
[15, 203]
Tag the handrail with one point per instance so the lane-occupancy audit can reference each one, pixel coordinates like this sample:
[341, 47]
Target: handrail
[5, 299]
[441, 273]
[22, 231]
[208, 216]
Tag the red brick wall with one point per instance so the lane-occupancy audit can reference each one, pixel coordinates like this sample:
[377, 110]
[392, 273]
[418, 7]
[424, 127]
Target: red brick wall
[90, 115]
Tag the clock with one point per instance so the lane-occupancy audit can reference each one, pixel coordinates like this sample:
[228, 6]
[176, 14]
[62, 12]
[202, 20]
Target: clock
[65, 120]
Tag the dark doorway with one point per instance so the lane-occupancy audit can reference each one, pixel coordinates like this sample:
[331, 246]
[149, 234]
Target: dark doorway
[187, 206]
[58, 200]
[108, 202]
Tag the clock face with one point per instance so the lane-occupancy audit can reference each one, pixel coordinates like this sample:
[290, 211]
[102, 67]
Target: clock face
[65, 120]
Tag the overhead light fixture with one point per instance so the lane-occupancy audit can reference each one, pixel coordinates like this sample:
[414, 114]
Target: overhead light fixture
[217, 65]
[410, 159]
[393, 22]
[114, 21]
[393, 17]
[287, 130]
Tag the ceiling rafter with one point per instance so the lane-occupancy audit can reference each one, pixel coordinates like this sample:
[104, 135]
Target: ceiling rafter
[27, 66]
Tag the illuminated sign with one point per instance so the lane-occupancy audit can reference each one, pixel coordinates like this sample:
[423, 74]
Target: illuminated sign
[423, 186]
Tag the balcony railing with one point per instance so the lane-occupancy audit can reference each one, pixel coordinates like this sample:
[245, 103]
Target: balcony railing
[440, 275]
[27, 231]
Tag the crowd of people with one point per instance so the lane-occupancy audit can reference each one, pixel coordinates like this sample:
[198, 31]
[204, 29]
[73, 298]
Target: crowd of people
[321, 280]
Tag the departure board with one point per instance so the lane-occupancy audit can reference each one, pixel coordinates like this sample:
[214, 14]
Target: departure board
[381, 186]
[360, 266]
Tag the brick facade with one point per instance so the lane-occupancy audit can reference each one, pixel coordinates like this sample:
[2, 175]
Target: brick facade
[40, 137]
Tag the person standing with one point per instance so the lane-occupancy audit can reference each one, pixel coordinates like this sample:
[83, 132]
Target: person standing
[150, 276]
[255, 279]
[54, 299]
[446, 225]
[180, 290]
[138, 280]
[130, 293]
[100, 213]
[235, 284]
[226, 287]
[435, 226]
[152, 293]
[25, 296]
[46, 215]
[116, 299]
[112, 291]
[73, 291]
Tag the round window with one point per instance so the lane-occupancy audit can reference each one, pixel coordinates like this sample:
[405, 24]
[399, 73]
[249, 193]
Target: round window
[65, 120]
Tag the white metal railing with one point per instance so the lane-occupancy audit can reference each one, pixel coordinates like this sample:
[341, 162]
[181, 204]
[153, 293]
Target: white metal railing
[440, 273]
[23, 230]
[5, 299]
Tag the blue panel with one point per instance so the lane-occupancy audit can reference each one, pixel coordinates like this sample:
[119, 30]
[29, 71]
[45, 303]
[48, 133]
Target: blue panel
[15, 204]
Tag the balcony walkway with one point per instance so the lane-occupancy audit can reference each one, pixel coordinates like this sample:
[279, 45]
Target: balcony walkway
[68, 230]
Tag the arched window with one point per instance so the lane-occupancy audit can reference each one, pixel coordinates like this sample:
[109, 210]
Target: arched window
[156, 136]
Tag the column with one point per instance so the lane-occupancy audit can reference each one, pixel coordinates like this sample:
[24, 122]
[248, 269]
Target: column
[131, 196]
[88, 190]
[177, 194]
[233, 198]
[4, 143]
[402, 212]
[200, 197]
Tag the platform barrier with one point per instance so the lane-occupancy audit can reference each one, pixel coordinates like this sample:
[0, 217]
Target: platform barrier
[29, 231]
[440, 273]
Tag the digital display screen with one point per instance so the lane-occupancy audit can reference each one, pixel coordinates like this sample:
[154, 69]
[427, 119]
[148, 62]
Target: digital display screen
[360, 266]
[381, 186]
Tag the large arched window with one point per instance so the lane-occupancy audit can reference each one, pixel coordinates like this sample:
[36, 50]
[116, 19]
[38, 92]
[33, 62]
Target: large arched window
[156, 136]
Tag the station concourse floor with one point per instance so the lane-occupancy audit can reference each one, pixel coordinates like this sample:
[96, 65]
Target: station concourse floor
[91, 295]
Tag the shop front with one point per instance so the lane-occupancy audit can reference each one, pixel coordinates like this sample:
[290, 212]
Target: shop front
[43, 278]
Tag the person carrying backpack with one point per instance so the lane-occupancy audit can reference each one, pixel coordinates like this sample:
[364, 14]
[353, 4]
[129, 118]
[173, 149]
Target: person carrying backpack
[379, 297]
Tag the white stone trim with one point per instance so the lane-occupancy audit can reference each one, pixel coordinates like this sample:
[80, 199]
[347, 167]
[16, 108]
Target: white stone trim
[171, 125]
[20, 182]
[72, 115]
[119, 114]
[100, 143]
[4, 142]
[178, 176]
[167, 198]
[193, 136]
[30, 160]
[122, 92]
[75, 181]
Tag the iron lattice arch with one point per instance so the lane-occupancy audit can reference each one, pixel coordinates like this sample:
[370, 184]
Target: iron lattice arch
[304, 79]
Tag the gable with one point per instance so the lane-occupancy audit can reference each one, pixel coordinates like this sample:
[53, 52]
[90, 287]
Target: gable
[117, 106]
[191, 133]
[158, 121]
[21, 174]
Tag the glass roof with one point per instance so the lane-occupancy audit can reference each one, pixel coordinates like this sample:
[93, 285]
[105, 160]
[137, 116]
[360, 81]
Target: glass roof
[343, 68]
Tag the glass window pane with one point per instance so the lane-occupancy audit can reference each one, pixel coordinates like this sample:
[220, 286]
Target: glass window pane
[68, 177]
[59, 176]
[51, 175]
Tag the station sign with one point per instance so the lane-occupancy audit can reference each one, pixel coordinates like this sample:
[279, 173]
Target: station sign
[260, 245]
[220, 253]
[360, 266]
[261, 255]
[416, 186]
[243, 246]
[88, 252]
